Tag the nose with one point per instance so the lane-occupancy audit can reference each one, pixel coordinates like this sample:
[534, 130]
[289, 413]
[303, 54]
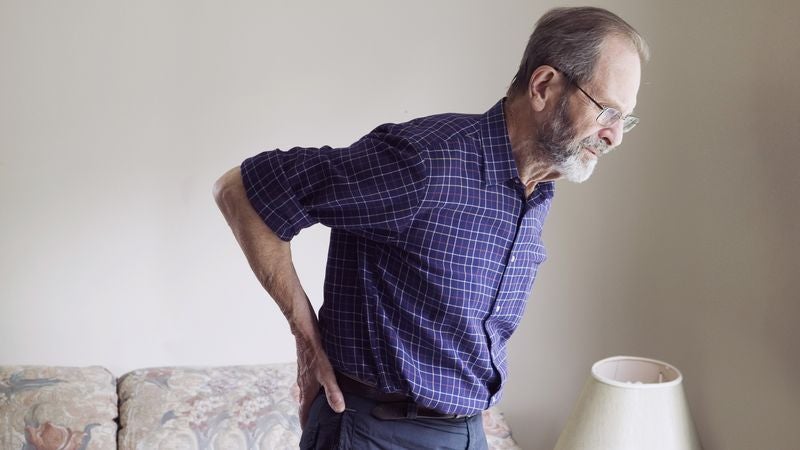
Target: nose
[612, 135]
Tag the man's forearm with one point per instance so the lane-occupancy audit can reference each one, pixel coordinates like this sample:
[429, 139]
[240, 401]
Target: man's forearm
[269, 257]
[271, 261]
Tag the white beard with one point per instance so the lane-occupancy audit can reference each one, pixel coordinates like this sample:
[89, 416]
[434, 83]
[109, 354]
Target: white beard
[578, 166]
[565, 151]
[577, 169]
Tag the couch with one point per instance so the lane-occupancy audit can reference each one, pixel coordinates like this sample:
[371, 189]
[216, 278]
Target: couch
[169, 408]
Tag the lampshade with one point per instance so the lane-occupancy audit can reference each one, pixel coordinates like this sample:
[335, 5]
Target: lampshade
[631, 403]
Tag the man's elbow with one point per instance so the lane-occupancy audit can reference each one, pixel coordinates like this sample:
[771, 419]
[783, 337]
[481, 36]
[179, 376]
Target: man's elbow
[228, 187]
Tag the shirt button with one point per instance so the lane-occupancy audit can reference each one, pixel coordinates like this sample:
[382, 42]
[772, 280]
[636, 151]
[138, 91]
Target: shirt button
[513, 258]
[497, 308]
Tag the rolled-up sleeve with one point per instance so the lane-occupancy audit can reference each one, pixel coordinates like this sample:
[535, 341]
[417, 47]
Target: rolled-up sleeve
[375, 185]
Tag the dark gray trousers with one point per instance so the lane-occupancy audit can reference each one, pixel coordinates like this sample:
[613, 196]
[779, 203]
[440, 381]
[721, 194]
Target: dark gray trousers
[357, 429]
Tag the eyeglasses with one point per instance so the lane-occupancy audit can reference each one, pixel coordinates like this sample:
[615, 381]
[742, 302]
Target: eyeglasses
[608, 116]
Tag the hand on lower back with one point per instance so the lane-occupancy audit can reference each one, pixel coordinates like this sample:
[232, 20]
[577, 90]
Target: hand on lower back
[315, 370]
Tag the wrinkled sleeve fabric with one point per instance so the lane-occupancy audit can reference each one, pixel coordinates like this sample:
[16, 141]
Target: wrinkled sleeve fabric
[373, 187]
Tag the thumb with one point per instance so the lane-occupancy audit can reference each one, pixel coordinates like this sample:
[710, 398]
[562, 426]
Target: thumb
[334, 396]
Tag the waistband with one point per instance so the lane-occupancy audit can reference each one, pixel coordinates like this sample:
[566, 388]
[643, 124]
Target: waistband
[390, 406]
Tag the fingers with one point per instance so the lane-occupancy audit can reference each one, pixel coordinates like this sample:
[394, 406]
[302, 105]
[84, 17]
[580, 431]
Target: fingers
[334, 396]
[309, 388]
[305, 408]
[327, 378]
[315, 370]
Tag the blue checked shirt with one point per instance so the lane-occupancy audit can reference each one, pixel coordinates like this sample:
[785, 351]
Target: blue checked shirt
[433, 251]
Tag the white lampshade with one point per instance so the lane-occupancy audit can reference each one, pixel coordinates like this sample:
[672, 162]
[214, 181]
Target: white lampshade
[631, 403]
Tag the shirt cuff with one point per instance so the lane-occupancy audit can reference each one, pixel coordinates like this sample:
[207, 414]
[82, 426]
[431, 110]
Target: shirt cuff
[266, 188]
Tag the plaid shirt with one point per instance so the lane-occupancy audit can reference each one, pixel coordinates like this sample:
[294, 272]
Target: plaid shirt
[433, 251]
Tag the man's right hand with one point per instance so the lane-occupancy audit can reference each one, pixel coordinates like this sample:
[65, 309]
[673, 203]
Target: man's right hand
[315, 370]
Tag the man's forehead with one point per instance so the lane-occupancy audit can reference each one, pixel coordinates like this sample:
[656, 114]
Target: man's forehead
[617, 75]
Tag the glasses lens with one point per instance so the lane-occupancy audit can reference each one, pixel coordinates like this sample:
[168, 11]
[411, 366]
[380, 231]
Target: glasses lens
[608, 117]
[629, 123]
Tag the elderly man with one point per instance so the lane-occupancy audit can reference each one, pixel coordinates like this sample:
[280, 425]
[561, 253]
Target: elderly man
[435, 239]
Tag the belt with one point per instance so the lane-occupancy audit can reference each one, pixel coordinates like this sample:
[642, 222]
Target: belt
[390, 406]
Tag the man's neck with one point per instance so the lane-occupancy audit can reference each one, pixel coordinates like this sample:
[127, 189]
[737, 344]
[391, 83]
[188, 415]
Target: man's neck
[532, 166]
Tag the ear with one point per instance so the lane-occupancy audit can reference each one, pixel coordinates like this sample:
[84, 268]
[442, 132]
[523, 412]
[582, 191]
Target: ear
[545, 86]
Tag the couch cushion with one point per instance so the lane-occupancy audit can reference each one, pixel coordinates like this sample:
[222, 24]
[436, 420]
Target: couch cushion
[239, 407]
[65, 408]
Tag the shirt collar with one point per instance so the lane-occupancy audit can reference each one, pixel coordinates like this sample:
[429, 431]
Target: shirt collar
[498, 161]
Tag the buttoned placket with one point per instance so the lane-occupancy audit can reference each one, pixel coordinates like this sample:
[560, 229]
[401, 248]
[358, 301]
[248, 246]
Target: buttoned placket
[516, 268]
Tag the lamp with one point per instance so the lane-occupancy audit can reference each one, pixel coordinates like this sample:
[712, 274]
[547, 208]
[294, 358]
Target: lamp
[631, 403]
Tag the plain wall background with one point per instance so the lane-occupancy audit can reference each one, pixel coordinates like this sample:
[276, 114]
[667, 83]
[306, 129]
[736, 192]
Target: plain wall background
[116, 118]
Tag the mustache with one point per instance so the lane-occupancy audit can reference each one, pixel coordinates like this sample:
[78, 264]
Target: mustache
[597, 144]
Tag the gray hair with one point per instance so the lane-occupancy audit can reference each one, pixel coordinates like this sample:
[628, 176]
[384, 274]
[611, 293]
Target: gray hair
[570, 39]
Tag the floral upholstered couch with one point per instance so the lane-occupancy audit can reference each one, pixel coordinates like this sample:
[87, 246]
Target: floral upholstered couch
[169, 408]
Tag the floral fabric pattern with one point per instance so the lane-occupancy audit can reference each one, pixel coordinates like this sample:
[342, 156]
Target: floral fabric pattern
[240, 407]
[227, 408]
[170, 408]
[57, 408]
[498, 433]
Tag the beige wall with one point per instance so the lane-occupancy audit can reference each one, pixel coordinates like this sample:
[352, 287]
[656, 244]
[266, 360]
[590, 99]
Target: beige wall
[115, 120]
[684, 244]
